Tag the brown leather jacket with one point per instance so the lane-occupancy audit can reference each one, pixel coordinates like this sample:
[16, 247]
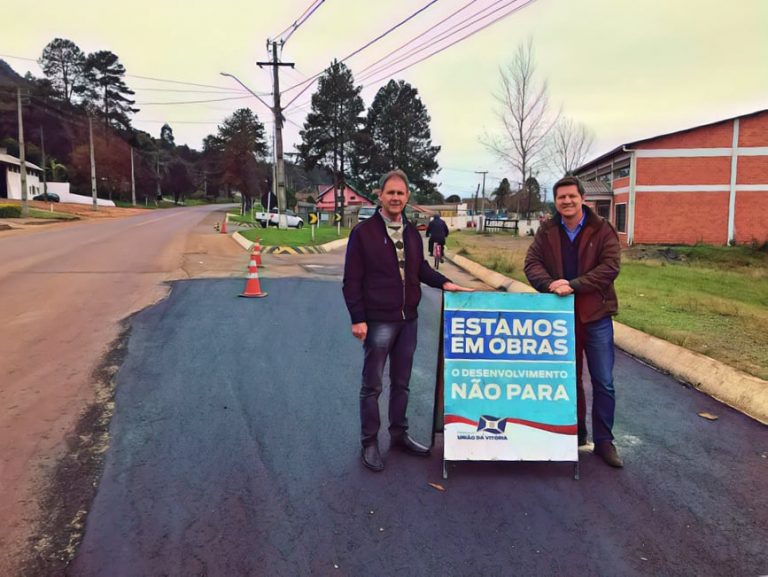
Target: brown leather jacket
[599, 262]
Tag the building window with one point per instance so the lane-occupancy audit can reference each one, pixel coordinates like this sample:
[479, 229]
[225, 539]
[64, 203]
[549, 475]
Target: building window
[603, 209]
[621, 172]
[621, 218]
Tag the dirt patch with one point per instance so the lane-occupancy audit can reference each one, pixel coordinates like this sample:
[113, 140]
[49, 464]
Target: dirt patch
[73, 484]
[664, 254]
[81, 210]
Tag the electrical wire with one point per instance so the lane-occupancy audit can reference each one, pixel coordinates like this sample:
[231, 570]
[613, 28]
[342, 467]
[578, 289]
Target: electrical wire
[191, 101]
[178, 82]
[427, 31]
[311, 79]
[449, 32]
[296, 22]
[231, 91]
[472, 33]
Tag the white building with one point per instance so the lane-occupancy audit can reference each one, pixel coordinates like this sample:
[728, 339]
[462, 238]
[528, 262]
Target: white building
[10, 177]
[10, 183]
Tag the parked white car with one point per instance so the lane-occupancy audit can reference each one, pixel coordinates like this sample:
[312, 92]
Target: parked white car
[272, 219]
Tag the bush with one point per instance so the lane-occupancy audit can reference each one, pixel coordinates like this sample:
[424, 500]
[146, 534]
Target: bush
[10, 211]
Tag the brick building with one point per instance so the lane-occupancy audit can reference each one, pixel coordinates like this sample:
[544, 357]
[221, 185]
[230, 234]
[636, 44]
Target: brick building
[704, 184]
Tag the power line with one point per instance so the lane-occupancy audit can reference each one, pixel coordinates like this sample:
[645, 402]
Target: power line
[185, 90]
[177, 82]
[472, 33]
[311, 79]
[296, 23]
[180, 121]
[191, 101]
[17, 57]
[427, 31]
[444, 35]
[302, 20]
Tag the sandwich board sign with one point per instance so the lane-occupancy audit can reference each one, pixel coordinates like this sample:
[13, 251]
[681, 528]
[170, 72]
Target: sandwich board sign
[509, 378]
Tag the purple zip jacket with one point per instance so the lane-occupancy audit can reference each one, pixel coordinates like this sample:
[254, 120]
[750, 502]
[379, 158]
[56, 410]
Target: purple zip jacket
[372, 286]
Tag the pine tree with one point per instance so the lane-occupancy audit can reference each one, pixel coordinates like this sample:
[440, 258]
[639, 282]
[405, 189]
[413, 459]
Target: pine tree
[166, 136]
[328, 137]
[63, 63]
[235, 154]
[107, 90]
[502, 194]
[397, 135]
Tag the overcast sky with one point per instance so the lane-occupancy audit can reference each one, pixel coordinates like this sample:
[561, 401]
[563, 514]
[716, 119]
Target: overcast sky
[627, 68]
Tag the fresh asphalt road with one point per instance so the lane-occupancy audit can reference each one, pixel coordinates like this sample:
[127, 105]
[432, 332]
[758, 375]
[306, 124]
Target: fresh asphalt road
[234, 452]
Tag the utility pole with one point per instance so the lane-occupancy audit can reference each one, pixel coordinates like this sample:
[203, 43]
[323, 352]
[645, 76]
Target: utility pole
[22, 158]
[93, 164]
[278, 112]
[42, 146]
[474, 210]
[483, 172]
[159, 192]
[133, 181]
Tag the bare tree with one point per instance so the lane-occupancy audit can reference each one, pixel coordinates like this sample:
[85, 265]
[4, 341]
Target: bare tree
[525, 116]
[570, 144]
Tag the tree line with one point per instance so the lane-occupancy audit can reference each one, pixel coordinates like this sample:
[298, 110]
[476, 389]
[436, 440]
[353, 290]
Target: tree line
[339, 141]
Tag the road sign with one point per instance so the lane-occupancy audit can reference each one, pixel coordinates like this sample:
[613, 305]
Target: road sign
[337, 217]
[509, 377]
[313, 218]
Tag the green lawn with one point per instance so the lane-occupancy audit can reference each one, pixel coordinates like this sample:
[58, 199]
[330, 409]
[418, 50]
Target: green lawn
[273, 236]
[710, 299]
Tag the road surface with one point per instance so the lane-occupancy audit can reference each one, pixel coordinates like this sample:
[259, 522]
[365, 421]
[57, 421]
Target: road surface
[235, 452]
[64, 290]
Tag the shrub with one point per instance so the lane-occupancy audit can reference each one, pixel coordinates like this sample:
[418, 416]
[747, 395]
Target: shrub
[10, 211]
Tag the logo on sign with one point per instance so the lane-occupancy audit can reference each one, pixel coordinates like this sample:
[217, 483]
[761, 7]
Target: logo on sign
[492, 425]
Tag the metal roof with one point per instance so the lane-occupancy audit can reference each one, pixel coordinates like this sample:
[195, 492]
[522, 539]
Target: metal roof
[8, 159]
[592, 163]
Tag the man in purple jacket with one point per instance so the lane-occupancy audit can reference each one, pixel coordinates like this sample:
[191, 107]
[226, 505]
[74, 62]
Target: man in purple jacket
[383, 272]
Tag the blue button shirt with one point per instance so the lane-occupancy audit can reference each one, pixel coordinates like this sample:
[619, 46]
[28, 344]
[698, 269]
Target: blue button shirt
[573, 233]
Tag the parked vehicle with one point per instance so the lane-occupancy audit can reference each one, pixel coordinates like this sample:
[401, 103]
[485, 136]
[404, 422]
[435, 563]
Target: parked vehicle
[272, 219]
[47, 197]
[365, 212]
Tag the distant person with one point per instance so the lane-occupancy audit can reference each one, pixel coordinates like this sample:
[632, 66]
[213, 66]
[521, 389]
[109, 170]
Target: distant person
[383, 272]
[578, 253]
[437, 232]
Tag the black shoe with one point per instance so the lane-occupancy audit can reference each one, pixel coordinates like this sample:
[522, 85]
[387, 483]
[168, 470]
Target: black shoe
[609, 454]
[405, 443]
[372, 458]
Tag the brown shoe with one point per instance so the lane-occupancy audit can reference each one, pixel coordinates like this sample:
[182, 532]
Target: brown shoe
[609, 454]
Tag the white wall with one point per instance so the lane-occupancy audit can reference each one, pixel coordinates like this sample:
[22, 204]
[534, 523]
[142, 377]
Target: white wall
[14, 184]
[62, 189]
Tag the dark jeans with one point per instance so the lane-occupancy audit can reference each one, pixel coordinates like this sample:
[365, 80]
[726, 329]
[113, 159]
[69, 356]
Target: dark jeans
[596, 340]
[396, 340]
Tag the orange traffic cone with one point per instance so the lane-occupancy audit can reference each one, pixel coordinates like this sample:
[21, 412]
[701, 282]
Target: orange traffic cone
[252, 286]
[256, 251]
[224, 225]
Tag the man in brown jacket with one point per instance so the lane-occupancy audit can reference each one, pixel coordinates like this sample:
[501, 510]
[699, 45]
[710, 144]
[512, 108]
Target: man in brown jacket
[578, 253]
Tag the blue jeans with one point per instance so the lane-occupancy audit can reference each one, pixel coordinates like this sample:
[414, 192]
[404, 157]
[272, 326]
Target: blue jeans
[396, 340]
[596, 340]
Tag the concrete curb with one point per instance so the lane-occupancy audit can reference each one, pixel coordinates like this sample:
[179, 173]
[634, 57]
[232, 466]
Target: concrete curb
[319, 249]
[743, 392]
